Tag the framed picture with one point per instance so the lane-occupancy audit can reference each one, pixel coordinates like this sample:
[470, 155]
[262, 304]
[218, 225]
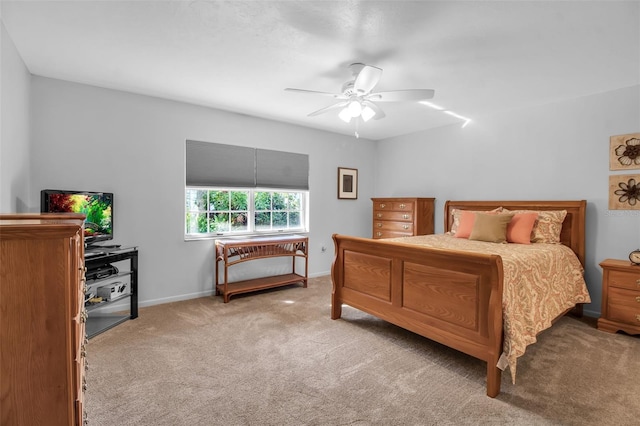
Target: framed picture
[624, 152]
[624, 192]
[347, 183]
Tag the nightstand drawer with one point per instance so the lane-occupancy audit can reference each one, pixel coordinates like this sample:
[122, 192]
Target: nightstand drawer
[624, 315]
[622, 279]
[397, 216]
[623, 305]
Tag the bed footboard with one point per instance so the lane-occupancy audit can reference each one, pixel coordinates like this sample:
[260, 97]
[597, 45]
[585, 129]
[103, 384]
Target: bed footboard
[454, 298]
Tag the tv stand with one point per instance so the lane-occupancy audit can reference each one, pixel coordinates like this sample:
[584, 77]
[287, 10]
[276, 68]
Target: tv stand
[106, 314]
[101, 247]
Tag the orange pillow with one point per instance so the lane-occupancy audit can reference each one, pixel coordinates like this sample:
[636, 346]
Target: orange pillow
[520, 227]
[467, 218]
[455, 213]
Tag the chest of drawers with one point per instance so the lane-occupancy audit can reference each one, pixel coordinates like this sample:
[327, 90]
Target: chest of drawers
[401, 217]
[620, 297]
[42, 319]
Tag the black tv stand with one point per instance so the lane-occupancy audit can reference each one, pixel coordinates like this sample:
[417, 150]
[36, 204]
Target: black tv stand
[101, 247]
[100, 317]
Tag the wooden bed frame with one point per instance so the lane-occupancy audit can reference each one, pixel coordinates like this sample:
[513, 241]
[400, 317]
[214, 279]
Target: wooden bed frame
[452, 297]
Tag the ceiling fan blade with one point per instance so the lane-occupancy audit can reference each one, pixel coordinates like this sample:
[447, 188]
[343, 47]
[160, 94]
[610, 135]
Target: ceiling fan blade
[313, 92]
[367, 79]
[327, 109]
[379, 112]
[402, 95]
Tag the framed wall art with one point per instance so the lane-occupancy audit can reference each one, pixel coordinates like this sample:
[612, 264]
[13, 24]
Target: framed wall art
[624, 152]
[624, 192]
[347, 183]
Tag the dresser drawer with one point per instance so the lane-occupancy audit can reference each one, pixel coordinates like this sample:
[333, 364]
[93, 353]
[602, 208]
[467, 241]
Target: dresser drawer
[80, 344]
[79, 378]
[390, 234]
[623, 279]
[393, 226]
[80, 418]
[394, 205]
[393, 215]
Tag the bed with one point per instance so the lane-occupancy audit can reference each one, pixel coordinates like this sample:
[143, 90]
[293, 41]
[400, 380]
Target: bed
[455, 296]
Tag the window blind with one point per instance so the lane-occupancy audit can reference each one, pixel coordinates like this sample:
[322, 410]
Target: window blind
[279, 169]
[214, 164]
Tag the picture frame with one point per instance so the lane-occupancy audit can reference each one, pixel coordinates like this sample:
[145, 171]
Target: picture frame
[624, 152]
[347, 183]
[624, 192]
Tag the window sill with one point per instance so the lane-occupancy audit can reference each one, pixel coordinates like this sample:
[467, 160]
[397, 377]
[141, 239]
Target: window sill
[241, 236]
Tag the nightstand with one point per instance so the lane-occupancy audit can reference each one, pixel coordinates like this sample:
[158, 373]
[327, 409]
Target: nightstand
[620, 297]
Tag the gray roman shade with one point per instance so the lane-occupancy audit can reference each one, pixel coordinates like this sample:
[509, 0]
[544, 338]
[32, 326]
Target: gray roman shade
[279, 169]
[214, 164]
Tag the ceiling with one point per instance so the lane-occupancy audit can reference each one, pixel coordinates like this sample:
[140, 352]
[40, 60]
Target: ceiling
[480, 56]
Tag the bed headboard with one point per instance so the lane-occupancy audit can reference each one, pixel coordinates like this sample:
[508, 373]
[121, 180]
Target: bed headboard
[573, 227]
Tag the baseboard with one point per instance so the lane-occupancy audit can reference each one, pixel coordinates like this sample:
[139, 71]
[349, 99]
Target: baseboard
[178, 298]
[207, 293]
[591, 313]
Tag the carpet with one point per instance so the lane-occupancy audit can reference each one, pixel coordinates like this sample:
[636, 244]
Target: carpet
[276, 358]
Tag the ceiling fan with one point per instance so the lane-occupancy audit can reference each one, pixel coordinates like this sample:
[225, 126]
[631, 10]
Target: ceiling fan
[358, 99]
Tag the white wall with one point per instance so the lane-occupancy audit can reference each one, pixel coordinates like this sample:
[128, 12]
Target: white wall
[14, 127]
[554, 152]
[87, 138]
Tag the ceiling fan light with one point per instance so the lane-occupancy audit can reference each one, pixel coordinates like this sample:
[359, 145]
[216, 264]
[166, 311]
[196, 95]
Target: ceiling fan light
[367, 113]
[345, 115]
[355, 109]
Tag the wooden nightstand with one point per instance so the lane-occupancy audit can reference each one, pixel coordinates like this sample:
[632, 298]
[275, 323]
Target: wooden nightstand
[620, 297]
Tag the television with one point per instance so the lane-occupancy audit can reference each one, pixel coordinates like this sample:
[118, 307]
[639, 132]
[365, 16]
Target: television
[96, 206]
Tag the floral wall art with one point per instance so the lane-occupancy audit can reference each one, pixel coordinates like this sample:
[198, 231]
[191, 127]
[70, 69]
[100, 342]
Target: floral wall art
[624, 152]
[624, 192]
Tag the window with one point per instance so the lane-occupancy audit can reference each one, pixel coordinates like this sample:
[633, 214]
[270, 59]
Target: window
[235, 211]
[235, 190]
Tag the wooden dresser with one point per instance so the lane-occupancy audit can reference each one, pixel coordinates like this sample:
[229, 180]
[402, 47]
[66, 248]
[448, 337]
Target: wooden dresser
[42, 330]
[401, 217]
[620, 297]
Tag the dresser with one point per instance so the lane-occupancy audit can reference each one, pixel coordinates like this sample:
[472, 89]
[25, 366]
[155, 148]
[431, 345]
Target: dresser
[401, 217]
[42, 319]
[620, 297]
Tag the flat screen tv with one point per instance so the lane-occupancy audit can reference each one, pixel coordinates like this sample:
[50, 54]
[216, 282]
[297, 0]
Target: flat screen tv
[96, 206]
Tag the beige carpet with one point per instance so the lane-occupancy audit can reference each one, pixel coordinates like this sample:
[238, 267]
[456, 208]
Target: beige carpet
[276, 358]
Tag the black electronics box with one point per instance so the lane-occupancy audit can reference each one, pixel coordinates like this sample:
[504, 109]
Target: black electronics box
[100, 272]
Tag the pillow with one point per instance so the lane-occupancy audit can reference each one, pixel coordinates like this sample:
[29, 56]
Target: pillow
[466, 219]
[548, 226]
[457, 214]
[520, 227]
[490, 227]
